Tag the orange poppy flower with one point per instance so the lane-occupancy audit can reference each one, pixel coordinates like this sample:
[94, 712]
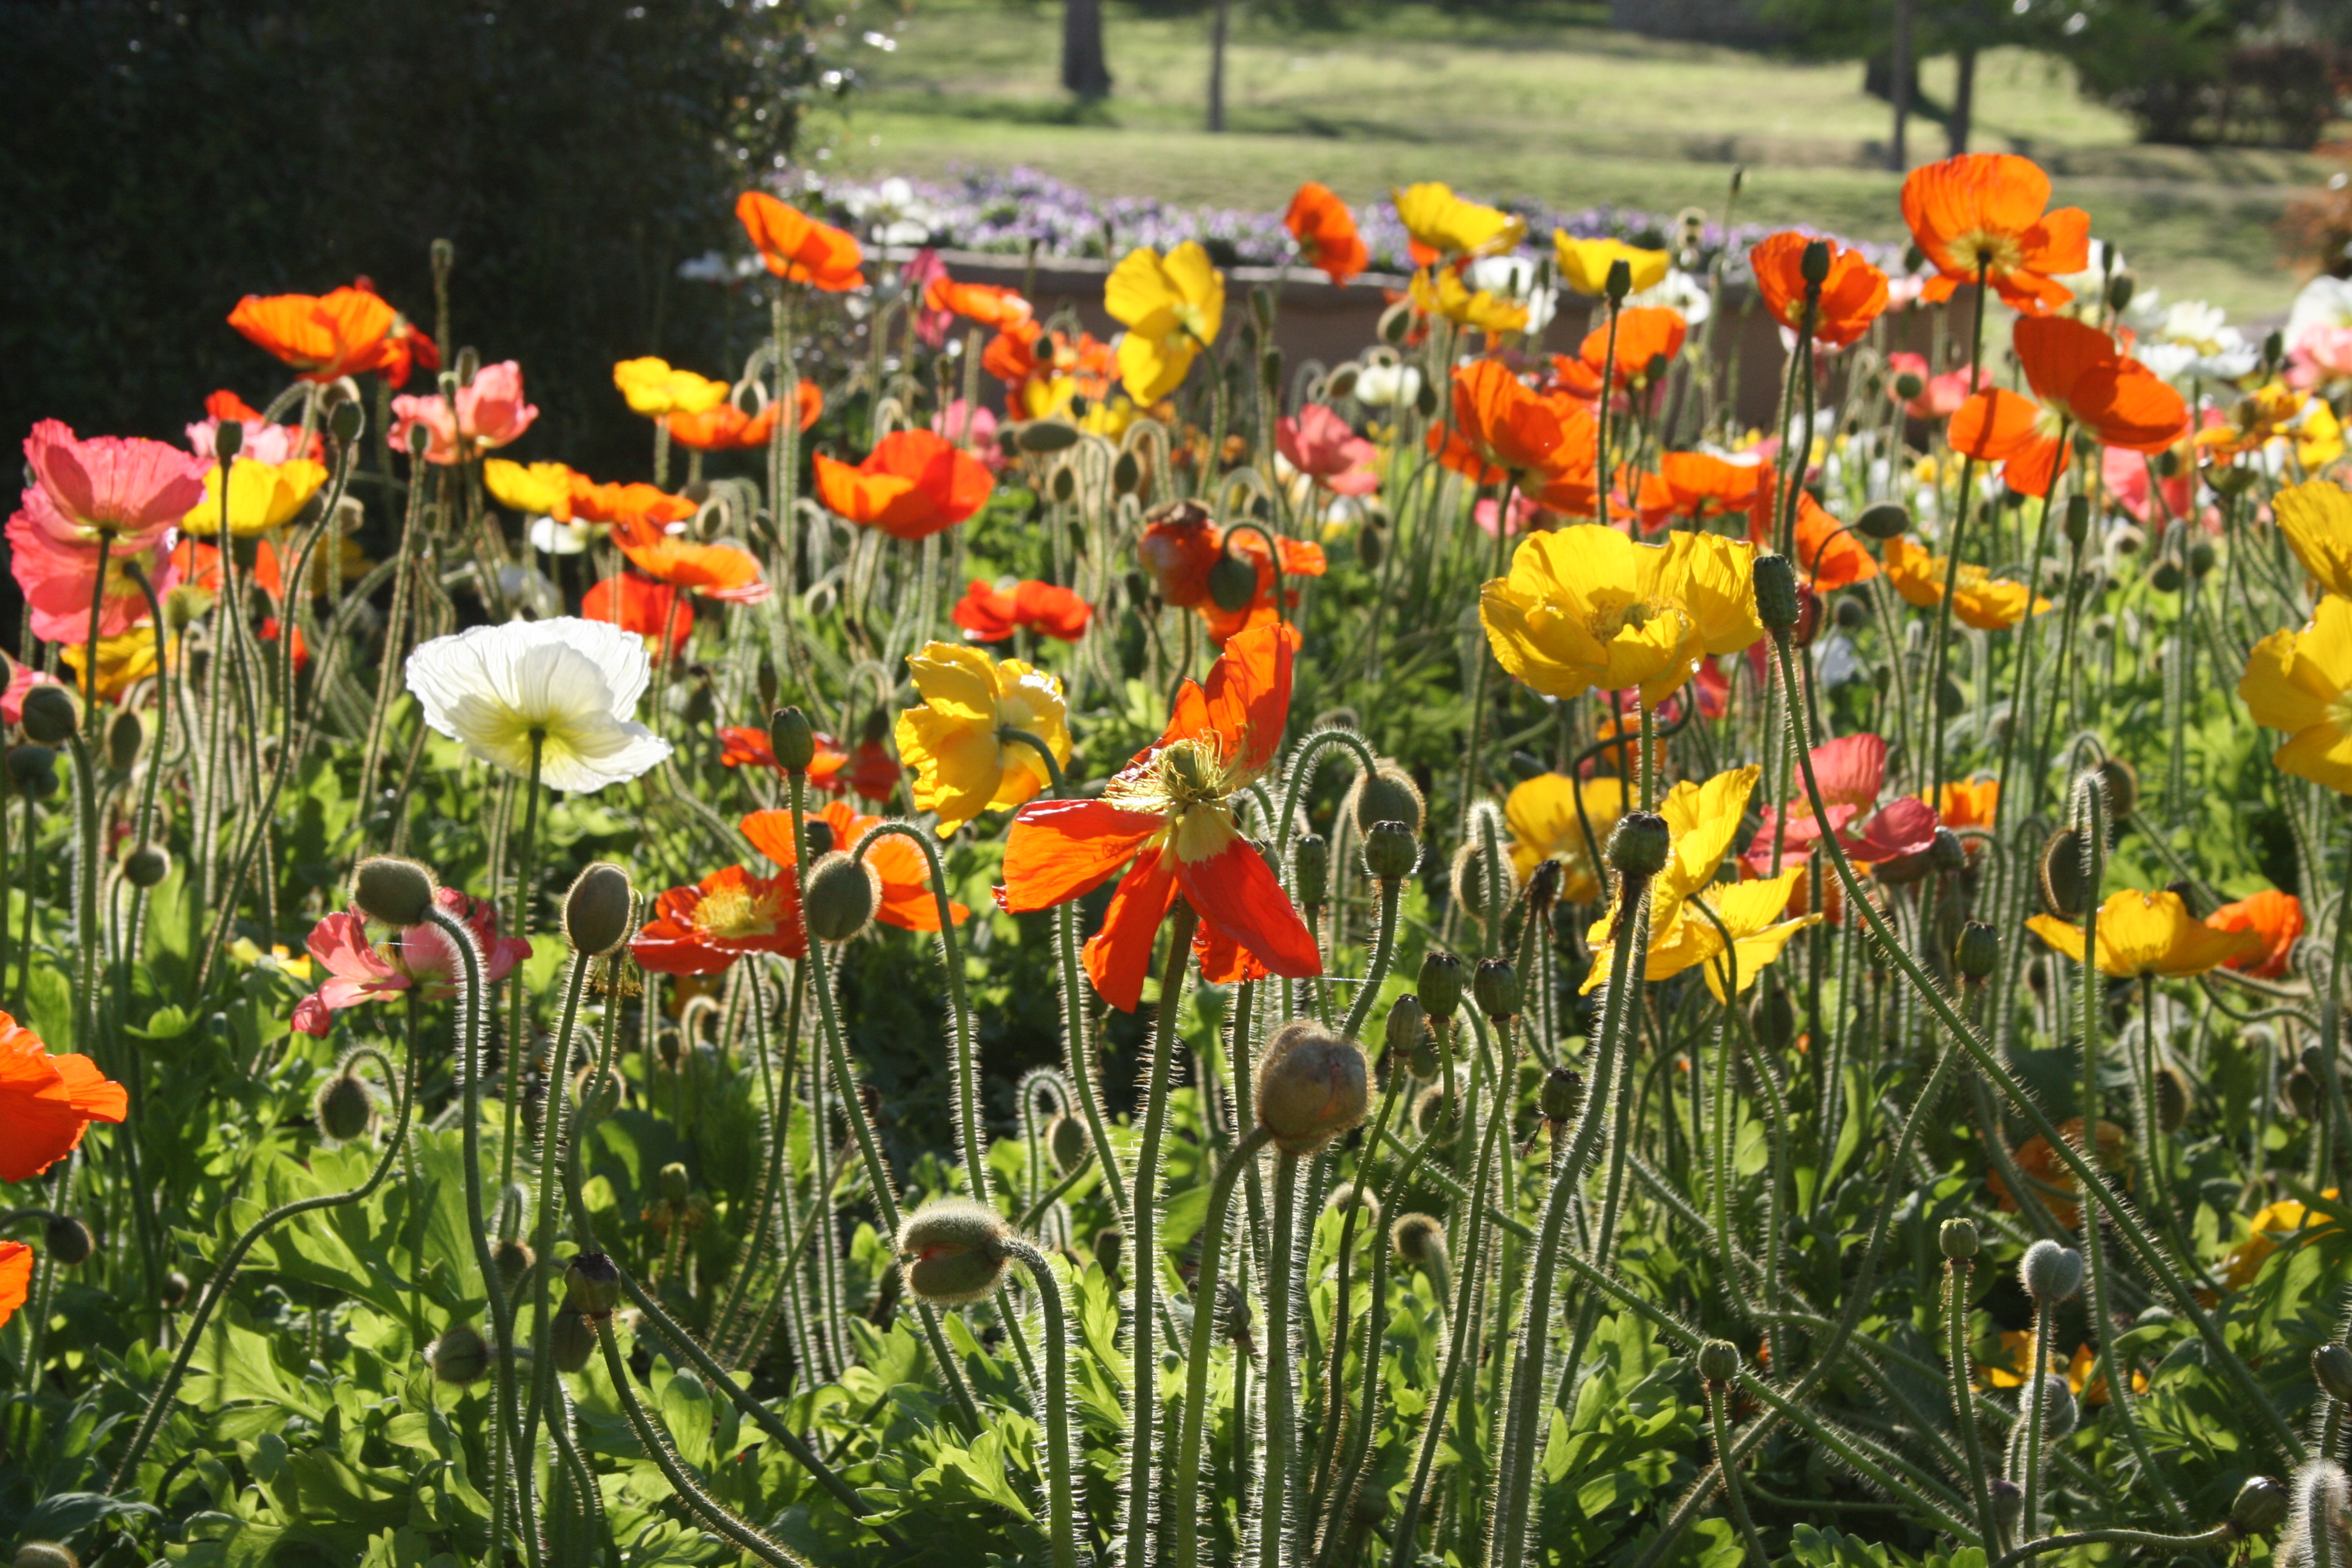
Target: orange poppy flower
[2038, 1163]
[1010, 355]
[639, 605]
[1300, 559]
[1966, 803]
[1853, 296]
[991, 615]
[715, 570]
[2276, 917]
[915, 483]
[1829, 555]
[985, 303]
[1648, 339]
[324, 337]
[873, 773]
[1700, 485]
[1993, 426]
[907, 899]
[46, 1101]
[633, 504]
[1325, 232]
[1983, 213]
[704, 928]
[1979, 599]
[728, 428]
[2083, 379]
[744, 746]
[1503, 420]
[1180, 547]
[797, 247]
[1170, 813]
[15, 1277]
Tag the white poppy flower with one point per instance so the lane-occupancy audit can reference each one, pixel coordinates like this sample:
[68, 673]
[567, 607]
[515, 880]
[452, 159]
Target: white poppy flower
[575, 682]
[1387, 385]
[1678, 292]
[555, 538]
[1513, 278]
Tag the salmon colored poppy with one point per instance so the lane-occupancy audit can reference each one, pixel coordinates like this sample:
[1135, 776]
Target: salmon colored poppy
[726, 428]
[1829, 556]
[988, 304]
[15, 1277]
[989, 614]
[1984, 213]
[1852, 297]
[46, 1102]
[1648, 339]
[704, 928]
[2082, 381]
[633, 504]
[907, 901]
[797, 247]
[1979, 599]
[715, 570]
[742, 746]
[2275, 917]
[1170, 812]
[324, 337]
[2042, 1168]
[653, 610]
[915, 483]
[1325, 232]
[1993, 426]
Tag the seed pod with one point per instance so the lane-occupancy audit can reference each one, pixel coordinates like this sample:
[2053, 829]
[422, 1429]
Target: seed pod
[1391, 851]
[1776, 592]
[570, 1341]
[1310, 863]
[393, 891]
[1387, 794]
[1887, 520]
[126, 735]
[513, 1259]
[1561, 1094]
[2258, 1507]
[1977, 952]
[49, 1553]
[174, 1292]
[1439, 984]
[1413, 1235]
[2065, 892]
[1496, 988]
[50, 714]
[952, 1251]
[2331, 1366]
[1311, 1087]
[2050, 1273]
[597, 909]
[793, 740]
[66, 1240]
[1470, 878]
[841, 897]
[146, 866]
[2174, 1098]
[344, 1107]
[1067, 1141]
[1958, 1238]
[1718, 1361]
[1640, 844]
[591, 1285]
[459, 1356]
[1408, 1022]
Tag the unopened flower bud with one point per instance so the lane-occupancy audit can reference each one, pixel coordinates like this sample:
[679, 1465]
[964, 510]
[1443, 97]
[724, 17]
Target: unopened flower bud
[1474, 875]
[1310, 868]
[2122, 782]
[1126, 474]
[2331, 1365]
[2008, 1504]
[1387, 794]
[1887, 520]
[791, 738]
[1908, 386]
[674, 1181]
[570, 1341]
[1977, 952]
[126, 733]
[2301, 1091]
[228, 439]
[1620, 282]
[513, 1260]
[1774, 1018]
[1946, 852]
[393, 891]
[1311, 1087]
[146, 866]
[459, 1356]
[597, 909]
[2174, 1098]
[1233, 583]
[173, 1294]
[1391, 851]
[1958, 1238]
[952, 1251]
[1424, 1061]
[1561, 1094]
[1640, 844]
[2059, 1412]
[1813, 263]
[28, 763]
[2065, 891]
[50, 715]
[1415, 1234]
[2258, 1507]
[344, 1107]
[1432, 1109]
[1439, 984]
[1109, 1248]
[2050, 1273]
[45, 1555]
[1776, 592]
[1496, 987]
[1543, 887]
[1408, 1022]
[66, 1240]
[2078, 519]
[841, 897]
[1067, 1140]
[591, 1285]
[1718, 1361]
[1344, 1195]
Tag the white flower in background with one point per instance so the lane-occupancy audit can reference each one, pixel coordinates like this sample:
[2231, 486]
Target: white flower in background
[1387, 385]
[2191, 338]
[553, 538]
[892, 211]
[527, 587]
[2325, 303]
[575, 682]
[1512, 277]
[713, 266]
[1677, 290]
[2087, 283]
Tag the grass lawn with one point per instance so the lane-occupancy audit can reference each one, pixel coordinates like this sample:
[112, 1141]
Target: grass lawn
[1568, 112]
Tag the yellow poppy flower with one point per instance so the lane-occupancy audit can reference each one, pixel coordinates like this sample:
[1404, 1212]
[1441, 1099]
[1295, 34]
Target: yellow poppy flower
[247, 952]
[1978, 598]
[2317, 518]
[1171, 307]
[1584, 263]
[261, 496]
[961, 768]
[1451, 297]
[654, 389]
[1109, 419]
[541, 490]
[124, 660]
[1544, 826]
[2278, 1220]
[2149, 934]
[1586, 606]
[2319, 438]
[1749, 914]
[1450, 225]
[2297, 683]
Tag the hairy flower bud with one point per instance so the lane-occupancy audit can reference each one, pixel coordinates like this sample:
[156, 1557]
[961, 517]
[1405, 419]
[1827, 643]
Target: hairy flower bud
[2078, 519]
[1813, 264]
[1311, 1087]
[1439, 984]
[1776, 592]
[1471, 871]
[2174, 1098]
[952, 1251]
[2065, 891]
[146, 864]
[1386, 794]
[1496, 988]
[570, 1341]
[1887, 520]
[1109, 1248]
[1946, 852]
[1343, 1196]
[673, 1181]
[841, 897]
[1774, 1018]
[1432, 1109]
[1391, 851]
[1311, 869]
[2050, 1273]
[1620, 282]
[1640, 843]
[50, 715]
[45, 1555]
[1718, 1361]
[791, 738]
[1415, 1234]
[1957, 1239]
[1233, 583]
[2008, 1504]
[1067, 1141]
[1561, 1094]
[2260, 1506]
[1408, 1022]
[513, 1260]
[460, 1355]
[66, 1240]
[1909, 385]
[344, 1107]
[2121, 779]
[1977, 952]
[2331, 1367]
[2059, 1412]
[27, 764]
[591, 1285]
[395, 891]
[173, 1293]
[126, 735]
[597, 909]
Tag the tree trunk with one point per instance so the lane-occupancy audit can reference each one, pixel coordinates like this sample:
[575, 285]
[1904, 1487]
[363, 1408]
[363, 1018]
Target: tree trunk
[1902, 83]
[1964, 96]
[1083, 70]
[1217, 66]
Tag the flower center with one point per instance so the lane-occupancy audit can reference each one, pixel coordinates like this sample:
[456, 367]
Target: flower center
[1993, 252]
[732, 913]
[1612, 615]
[1187, 773]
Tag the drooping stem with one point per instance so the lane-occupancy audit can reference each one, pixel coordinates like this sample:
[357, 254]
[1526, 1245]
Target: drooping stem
[1061, 1457]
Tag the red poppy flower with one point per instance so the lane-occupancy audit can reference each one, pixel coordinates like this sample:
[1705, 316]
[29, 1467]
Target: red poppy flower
[704, 928]
[1853, 296]
[1992, 425]
[988, 304]
[1181, 546]
[907, 899]
[1502, 418]
[1704, 486]
[2277, 916]
[744, 746]
[1648, 339]
[797, 247]
[327, 337]
[1170, 813]
[726, 428]
[2083, 379]
[715, 570]
[991, 615]
[634, 503]
[639, 605]
[915, 483]
[1983, 213]
[15, 1277]
[46, 1102]
[1829, 555]
[1325, 232]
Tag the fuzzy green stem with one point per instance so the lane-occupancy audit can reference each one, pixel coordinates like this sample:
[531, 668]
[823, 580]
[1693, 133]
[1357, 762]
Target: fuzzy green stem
[1143, 1242]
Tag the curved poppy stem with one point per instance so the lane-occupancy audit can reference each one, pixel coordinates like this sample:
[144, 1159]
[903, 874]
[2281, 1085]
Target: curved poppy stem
[1304, 758]
[1143, 1237]
[1059, 785]
[967, 1065]
[1061, 1488]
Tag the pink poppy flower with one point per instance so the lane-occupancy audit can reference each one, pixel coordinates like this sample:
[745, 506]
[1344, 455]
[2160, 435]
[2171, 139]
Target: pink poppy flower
[2125, 475]
[490, 413]
[1940, 395]
[264, 442]
[59, 579]
[2319, 356]
[915, 280]
[1488, 514]
[21, 679]
[122, 489]
[1320, 444]
[416, 958]
[950, 422]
